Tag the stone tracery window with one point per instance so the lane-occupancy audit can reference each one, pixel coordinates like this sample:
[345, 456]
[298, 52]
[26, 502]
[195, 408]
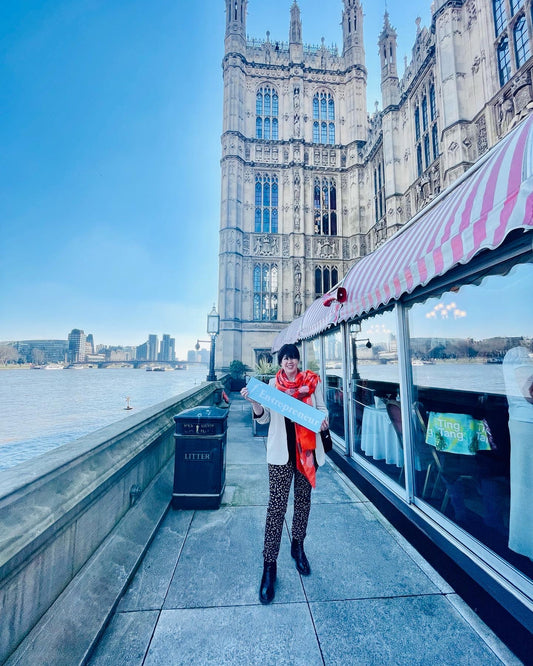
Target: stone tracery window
[265, 303]
[325, 207]
[266, 204]
[323, 118]
[266, 113]
[426, 131]
[512, 43]
[325, 278]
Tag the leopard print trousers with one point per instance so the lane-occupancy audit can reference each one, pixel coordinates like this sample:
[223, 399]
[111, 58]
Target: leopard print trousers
[279, 480]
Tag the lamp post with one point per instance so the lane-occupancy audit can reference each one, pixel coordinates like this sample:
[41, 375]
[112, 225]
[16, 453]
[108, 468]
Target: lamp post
[213, 328]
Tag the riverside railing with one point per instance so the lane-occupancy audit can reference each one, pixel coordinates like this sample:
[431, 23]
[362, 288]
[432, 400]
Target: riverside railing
[74, 524]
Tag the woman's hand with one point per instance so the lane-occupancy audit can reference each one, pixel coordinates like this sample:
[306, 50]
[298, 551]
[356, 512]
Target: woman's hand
[324, 425]
[256, 406]
[303, 390]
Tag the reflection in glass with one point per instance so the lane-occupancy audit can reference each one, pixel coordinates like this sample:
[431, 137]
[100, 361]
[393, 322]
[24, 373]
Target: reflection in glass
[374, 393]
[334, 388]
[470, 468]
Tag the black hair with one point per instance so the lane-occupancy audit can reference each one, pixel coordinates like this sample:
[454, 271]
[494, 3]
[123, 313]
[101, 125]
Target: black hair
[290, 351]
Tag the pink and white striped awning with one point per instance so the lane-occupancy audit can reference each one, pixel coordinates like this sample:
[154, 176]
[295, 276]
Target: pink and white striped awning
[477, 212]
[290, 334]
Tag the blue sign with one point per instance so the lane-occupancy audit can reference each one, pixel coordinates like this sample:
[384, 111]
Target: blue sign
[296, 410]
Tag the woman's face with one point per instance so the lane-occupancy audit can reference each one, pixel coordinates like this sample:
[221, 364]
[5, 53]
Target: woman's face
[289, 365]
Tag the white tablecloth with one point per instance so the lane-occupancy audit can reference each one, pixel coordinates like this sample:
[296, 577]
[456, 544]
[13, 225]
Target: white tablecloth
[378, 437]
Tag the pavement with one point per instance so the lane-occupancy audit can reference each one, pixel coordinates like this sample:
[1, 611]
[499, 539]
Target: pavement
[370, 598]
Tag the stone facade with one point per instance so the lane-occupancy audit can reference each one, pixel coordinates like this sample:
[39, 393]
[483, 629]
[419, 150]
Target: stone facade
[312, 182]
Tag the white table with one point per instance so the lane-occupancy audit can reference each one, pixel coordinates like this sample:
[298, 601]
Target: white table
[378, 437]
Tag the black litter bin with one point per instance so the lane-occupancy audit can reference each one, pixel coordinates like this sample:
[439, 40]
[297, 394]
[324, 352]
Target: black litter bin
[200, 461]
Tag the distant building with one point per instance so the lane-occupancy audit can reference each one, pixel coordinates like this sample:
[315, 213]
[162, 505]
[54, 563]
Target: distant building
[52, 351]
[76, 346]
[153, 347]
[141, 352]
[167, 350]
[89, 344]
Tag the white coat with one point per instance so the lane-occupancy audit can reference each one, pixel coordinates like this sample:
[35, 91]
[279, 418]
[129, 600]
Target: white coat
[277, 450]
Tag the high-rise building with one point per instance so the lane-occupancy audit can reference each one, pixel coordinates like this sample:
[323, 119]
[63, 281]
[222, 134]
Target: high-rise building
[76, 346]
[312, 182]
[153, 347]
[167, 349]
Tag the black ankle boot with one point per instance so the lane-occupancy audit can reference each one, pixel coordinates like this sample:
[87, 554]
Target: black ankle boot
[266, 591]
[297, 551]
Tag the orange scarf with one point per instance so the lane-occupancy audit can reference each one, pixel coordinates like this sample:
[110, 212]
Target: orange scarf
[305, 439]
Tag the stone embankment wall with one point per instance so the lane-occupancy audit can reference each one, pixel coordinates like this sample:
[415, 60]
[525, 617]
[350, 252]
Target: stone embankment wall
[74, 524]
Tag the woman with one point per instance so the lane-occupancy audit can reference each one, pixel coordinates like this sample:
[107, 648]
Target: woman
[292, 452]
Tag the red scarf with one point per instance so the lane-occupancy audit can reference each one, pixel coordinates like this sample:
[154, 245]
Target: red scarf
[305, 439]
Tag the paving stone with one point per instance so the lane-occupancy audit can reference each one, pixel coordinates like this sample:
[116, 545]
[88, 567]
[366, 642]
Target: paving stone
[247, 635]
[415, 631]
[221, 562]
[249, 485]
[353, 556]
[152, 580]
[126, 640]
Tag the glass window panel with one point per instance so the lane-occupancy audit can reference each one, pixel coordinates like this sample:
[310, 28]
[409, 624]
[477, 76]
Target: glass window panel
[267, 103]
[318, 282]
[258, 192]
[275, 221]
[266, 129]
[504, 61]
[257, 220]
[417, 123]
[274, 278]
[325, 224]
[426, 150]
[425, 113]
[259, 104]
[331, 109]
[316, 136]
[334, 276]
[274, 104]
[435, 140]
[274, 194]
[323, 111]
[327, 283]
[315, 107]
[521, 42]
[275, 135]
[266, 195]
[323, 133]
[331, 133]
[333, 199]
[317, 196]
[266, 220]
[333, 218]
[374, 382]
[257, 278]
[257, 307]
[419, 159]
[515, 6]
[432, 104]
[312, 355]
[473, 383]
[259, 128]
[500, 18]
[333, 384]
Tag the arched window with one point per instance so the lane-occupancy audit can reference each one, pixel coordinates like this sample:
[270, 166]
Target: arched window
[426, 130]
[324, 118]
[379, 192]
[325, 207]
[266, 204]
[432, 103]
[265, 298]
[326, 277]
[266, 112]
[435, 141]
[521, 41]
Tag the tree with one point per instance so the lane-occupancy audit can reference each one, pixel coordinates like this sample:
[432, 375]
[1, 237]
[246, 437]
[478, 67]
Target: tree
[8, 354]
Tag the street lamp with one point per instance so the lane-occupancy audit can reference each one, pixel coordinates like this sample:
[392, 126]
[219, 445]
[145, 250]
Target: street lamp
[213, 328]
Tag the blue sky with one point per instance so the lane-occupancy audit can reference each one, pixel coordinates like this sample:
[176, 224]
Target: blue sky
[110, 174]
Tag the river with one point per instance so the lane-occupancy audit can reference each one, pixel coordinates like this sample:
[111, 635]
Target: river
[42, 409]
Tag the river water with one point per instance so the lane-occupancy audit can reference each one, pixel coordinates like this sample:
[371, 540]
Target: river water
[42, 409]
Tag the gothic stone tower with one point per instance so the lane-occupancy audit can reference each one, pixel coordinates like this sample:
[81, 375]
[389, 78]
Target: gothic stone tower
[293, 211]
